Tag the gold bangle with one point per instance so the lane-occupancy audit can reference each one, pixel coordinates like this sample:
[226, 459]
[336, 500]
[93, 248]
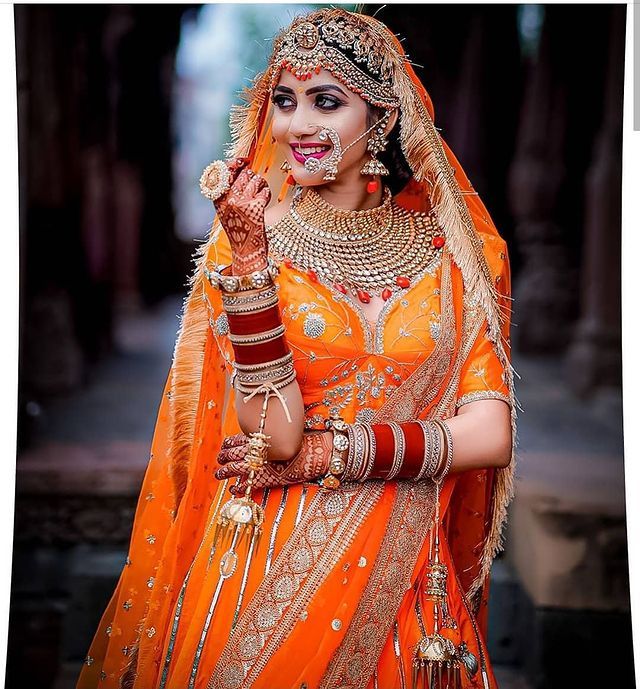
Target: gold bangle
[371, 441]
[398, 453]
[258, 337]
[264, 364]
[359, 452]
[276, 384]
[349, 469]
[431, 461]
[232, 284]
[448, 442]
[257, 307]
[264, 375]
[249, 297]
[337, 466]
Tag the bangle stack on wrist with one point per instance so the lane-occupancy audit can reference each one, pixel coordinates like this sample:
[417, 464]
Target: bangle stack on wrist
[263, 363]
[261, 354]
[416, 450]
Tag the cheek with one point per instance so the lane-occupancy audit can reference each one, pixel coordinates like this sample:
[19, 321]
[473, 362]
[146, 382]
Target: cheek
[351, 132]
[279, 127]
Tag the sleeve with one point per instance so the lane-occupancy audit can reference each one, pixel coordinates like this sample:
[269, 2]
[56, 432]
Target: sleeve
[483, 374]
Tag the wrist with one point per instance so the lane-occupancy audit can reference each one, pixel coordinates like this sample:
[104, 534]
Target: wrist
[244, 266]
[414, 450]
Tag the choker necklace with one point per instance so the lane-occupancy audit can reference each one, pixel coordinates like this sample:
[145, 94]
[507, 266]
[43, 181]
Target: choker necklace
[376, 249]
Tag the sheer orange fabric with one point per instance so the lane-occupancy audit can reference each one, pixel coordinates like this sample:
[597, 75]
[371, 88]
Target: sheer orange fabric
[334, 594]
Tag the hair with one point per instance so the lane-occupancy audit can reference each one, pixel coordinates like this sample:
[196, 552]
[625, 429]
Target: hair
[392, 157]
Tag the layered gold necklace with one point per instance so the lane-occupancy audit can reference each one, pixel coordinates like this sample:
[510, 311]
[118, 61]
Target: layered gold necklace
[381, 248]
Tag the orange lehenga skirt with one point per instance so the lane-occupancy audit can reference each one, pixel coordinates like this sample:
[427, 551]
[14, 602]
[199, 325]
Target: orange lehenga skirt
[334, 594]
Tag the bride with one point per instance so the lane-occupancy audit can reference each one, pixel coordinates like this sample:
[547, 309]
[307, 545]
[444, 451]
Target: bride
[334, 450]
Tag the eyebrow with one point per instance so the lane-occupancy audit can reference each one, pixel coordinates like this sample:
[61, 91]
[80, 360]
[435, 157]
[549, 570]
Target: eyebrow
[313, 89]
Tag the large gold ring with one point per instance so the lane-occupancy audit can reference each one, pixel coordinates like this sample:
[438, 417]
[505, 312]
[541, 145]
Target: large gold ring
[215, 180]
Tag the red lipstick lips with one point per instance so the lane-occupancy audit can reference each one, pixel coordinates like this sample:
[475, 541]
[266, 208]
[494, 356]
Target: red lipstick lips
[301, 158]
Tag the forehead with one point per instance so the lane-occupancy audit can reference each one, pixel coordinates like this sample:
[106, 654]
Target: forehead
[322, 77]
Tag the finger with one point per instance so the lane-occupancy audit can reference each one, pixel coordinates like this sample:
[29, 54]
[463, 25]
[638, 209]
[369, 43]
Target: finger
[238, 187]
[254, 186]
[233, 440]
[264, 196]
[232, 469]
[239, 488]
[236, 165]
[232, 454]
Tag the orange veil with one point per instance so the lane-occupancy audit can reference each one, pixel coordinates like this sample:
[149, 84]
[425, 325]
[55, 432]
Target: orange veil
[179, 493]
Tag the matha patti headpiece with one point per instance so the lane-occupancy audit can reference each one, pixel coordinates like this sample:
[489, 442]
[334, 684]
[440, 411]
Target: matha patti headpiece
[346, 46]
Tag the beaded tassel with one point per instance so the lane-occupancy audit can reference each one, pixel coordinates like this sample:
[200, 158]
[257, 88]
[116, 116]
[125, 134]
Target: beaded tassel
[242, 517]
[435, 661]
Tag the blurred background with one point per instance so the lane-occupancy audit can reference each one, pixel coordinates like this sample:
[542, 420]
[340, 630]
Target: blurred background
[120, 107]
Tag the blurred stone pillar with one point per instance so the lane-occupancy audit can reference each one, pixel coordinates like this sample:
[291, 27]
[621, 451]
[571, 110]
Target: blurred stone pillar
[594, 358]
[544, 290]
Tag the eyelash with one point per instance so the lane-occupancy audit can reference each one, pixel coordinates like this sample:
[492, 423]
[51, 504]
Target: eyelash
[334, 102]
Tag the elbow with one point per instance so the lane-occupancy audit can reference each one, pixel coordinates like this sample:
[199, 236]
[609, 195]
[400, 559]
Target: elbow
[504, 449]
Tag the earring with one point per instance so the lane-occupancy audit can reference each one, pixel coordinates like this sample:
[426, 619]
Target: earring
[285, 167]
[376, 144]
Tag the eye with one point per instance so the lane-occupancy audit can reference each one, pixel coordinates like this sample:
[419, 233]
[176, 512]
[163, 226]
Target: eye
[281, 101]
[326, 102]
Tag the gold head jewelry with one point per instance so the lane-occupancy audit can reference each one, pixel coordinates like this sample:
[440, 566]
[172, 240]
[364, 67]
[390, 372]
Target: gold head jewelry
[344, 45]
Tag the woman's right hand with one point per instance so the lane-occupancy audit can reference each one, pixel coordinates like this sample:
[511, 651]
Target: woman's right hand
[311, 462]
[241, 213]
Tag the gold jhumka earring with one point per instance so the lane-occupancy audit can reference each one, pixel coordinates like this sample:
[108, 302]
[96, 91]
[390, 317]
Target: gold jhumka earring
[376, 144]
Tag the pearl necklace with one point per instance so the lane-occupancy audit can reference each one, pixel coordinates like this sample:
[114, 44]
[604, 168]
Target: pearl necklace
[381, 248]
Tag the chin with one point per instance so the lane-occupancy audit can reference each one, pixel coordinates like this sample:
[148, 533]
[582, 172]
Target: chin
[305, 179]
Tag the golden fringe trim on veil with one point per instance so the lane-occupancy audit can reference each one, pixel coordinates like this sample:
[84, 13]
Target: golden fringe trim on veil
[186, 376]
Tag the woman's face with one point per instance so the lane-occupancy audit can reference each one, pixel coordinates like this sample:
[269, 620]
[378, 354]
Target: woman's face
[303, 108]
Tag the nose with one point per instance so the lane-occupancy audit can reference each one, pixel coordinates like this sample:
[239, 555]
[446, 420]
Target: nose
[299, 124]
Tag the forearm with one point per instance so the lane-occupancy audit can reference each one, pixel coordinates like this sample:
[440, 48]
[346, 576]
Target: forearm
[479, 437]
[286, 437]
[481, 434]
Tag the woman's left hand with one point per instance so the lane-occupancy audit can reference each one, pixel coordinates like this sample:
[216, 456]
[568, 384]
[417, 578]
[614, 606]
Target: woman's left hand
[311, 462]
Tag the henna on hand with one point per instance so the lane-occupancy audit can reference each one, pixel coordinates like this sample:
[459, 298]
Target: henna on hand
[241, 213]
[311, 462]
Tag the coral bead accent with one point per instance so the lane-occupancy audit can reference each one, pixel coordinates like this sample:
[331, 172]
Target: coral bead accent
[288, 263]
[340, 287]
[386, 293]
[438, 242]
[290, 180]
[403, 281]
[372, 186]
[312, 275]
[364, 297]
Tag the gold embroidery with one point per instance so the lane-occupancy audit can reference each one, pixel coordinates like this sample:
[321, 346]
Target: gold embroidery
[482, 395]
[422, 386]
[313, 549]
[472, 320]
[355, 660]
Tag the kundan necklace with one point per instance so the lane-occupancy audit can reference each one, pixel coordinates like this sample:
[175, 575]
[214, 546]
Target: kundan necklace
[377, 249]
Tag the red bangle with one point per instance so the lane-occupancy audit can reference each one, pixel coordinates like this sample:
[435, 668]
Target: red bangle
[385, 450]
[414, 449]
[261, 351]
[253, 323]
